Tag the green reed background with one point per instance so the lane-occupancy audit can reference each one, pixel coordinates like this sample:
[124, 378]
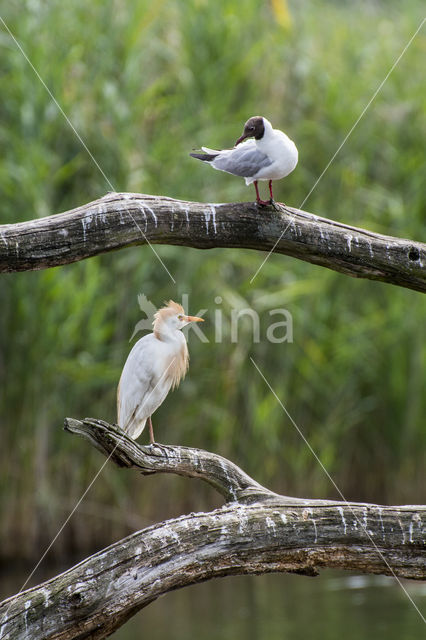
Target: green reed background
[144, 83]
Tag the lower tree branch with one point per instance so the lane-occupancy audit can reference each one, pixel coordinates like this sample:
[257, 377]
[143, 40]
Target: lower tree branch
[256, 531]
[220, 473]
[123, 219]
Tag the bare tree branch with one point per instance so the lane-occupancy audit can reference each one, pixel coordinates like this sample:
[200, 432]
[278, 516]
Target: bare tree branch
[257, 531]
[123, 219]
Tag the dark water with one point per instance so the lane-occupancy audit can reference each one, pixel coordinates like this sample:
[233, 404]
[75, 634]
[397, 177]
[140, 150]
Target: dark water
[333, 606]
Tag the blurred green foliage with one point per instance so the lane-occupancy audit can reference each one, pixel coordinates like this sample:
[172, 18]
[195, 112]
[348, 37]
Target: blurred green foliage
[144, 83]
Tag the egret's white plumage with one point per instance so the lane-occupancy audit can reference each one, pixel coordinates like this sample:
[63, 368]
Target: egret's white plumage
[268, 155]
[156, 364]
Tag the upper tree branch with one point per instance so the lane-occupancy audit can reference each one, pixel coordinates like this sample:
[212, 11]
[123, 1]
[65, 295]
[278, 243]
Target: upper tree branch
[124, 219]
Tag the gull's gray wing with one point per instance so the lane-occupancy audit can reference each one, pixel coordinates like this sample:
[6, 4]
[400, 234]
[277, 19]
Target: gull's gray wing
[245, 160]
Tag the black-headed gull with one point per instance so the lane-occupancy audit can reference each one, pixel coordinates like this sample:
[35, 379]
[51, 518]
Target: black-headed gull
[271, 155]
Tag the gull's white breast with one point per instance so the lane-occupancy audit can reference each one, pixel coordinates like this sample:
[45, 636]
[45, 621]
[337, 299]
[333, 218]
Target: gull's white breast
[283, 153]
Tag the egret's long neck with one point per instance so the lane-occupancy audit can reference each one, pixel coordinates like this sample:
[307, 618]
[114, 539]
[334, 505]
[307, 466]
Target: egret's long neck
[165, 333]
[178, 351]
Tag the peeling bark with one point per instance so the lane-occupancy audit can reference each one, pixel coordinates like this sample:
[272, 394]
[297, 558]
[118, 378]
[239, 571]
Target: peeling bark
[256, 531]
[124, 219]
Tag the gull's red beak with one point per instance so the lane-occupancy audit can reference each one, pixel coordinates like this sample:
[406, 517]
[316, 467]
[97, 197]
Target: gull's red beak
[193, 319]
[243, 137]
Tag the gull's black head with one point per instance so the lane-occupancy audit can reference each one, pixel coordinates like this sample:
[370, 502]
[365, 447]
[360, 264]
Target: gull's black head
[253, 128]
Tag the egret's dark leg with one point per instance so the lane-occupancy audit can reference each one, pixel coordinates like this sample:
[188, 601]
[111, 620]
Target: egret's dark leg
[151, 431]
[258, 200]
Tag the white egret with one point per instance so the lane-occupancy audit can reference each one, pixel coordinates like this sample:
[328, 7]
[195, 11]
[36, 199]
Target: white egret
[156, 364]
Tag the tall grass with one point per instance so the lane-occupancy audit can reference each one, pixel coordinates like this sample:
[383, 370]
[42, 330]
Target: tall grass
[144, 83]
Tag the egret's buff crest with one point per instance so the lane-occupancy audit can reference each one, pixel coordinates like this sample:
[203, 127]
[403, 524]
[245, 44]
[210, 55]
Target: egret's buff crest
[171, 308]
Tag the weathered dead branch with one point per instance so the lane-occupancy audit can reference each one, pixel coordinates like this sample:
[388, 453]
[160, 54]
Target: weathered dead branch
[256, 531]
[123, 219]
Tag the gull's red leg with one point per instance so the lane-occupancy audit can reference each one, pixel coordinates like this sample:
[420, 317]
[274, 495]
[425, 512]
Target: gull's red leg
[257, 191]
[272, 201]
[258, 200]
